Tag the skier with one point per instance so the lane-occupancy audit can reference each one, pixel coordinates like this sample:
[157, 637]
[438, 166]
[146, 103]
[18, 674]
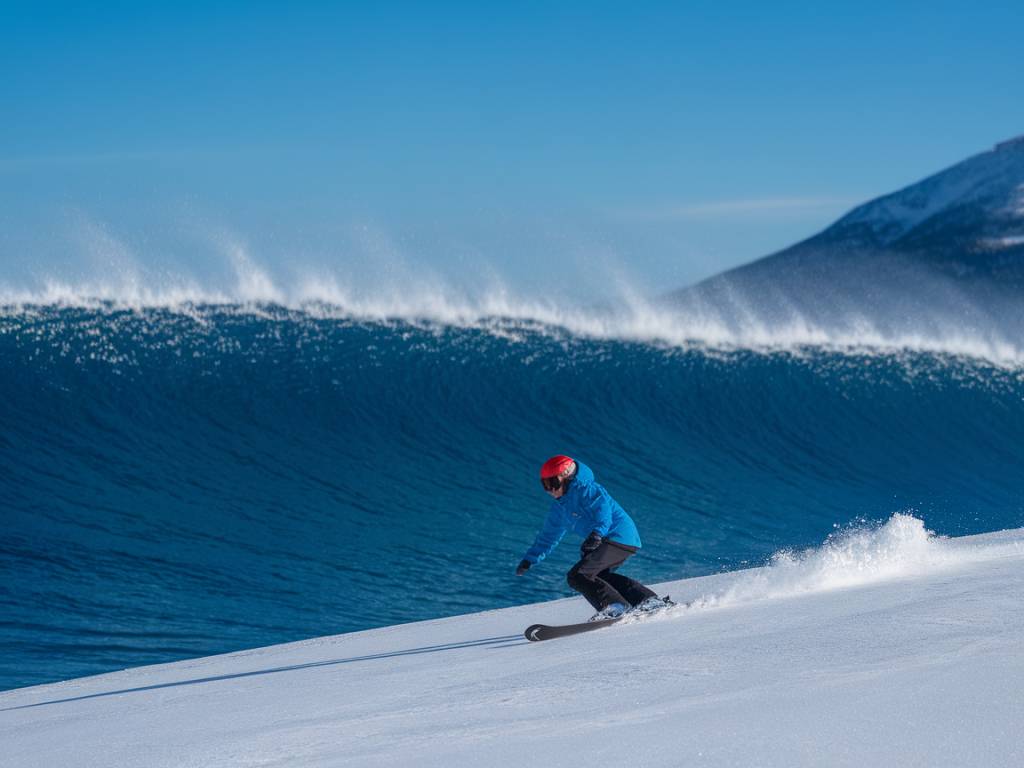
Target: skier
[582, 505]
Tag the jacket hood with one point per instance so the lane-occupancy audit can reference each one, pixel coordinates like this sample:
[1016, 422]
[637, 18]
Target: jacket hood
[584, 474]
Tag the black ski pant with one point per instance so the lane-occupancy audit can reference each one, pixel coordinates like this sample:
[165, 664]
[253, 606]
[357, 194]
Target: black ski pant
[595, 579]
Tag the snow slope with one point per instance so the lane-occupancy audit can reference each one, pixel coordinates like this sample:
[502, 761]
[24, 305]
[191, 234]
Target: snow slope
[885, 646]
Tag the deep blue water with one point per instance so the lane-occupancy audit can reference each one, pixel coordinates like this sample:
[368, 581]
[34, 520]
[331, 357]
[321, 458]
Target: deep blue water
[182, 483]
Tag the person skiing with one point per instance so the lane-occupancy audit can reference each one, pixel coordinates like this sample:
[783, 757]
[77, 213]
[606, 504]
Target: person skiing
[582, 505]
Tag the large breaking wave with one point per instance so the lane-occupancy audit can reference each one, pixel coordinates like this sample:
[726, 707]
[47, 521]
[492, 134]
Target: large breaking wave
[180, 477]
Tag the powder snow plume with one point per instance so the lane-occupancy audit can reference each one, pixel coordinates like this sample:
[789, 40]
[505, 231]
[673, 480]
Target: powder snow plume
[856, 556]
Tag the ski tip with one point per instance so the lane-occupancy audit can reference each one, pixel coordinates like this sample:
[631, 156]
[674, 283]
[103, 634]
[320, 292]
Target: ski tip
[531, 632]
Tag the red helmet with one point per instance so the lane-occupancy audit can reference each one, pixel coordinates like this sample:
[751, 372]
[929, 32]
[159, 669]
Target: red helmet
[555, 466]
[554, 470]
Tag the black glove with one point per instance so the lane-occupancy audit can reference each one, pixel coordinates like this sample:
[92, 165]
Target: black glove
[523, 567]
[592, 542]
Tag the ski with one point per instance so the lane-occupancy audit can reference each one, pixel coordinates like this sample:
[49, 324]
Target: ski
[536, 632]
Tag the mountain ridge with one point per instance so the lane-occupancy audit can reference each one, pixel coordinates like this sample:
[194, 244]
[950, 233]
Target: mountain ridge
[947, 250]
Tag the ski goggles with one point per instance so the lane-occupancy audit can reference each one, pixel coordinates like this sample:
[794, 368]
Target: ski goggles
[552, 483]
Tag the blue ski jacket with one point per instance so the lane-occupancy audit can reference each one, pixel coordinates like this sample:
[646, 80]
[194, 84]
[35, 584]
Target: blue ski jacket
[585, 507]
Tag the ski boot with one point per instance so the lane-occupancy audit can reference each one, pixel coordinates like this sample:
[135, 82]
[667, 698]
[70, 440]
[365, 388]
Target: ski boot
[611, 611]
[652, 604]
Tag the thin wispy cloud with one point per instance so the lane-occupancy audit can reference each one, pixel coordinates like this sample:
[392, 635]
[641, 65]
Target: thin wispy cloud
[102, 158]
[29, 162]
[719, 209]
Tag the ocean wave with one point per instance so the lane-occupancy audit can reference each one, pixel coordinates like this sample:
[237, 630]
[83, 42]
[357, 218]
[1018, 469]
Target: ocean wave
[252, 473]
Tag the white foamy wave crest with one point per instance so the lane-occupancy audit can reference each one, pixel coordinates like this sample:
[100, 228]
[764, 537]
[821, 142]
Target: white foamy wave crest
[420, 297]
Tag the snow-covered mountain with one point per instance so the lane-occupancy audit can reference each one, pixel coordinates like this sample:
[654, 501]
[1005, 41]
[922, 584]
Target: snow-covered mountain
[972, 209]
[945, 252]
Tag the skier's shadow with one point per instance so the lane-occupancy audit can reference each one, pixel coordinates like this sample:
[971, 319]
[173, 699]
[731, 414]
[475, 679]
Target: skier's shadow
[503, 641]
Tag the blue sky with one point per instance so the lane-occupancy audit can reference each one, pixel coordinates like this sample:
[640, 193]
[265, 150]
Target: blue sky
[664, 140]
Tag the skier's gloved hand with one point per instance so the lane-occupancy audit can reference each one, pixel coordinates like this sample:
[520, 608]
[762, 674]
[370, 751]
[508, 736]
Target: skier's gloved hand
[523, 567]
[592, 542]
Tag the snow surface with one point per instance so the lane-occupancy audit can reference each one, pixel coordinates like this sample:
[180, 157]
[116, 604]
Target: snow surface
[883, 647]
